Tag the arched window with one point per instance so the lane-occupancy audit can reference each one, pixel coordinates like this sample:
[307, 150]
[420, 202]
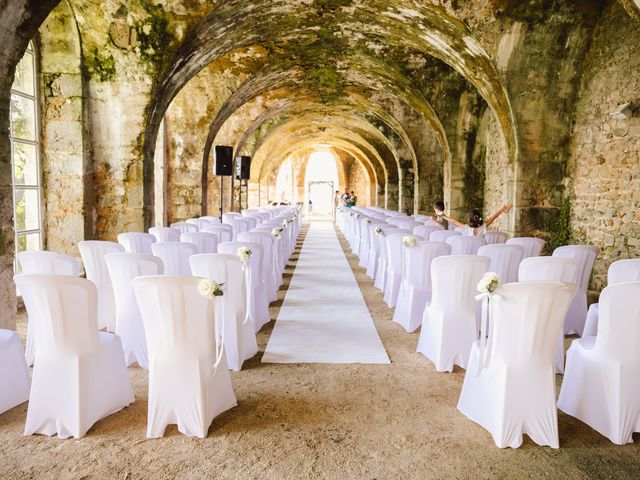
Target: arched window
[25, 155]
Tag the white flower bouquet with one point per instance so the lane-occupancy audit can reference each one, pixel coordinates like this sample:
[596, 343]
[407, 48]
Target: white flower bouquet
[277, 232]
[409, 241]
[378, 230]
[489, 283]
[210, 289]
[367, 221]
[285, 222]
[245, 254]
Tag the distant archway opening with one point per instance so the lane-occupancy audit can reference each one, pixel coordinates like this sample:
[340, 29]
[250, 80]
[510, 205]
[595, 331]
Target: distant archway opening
[320, 183]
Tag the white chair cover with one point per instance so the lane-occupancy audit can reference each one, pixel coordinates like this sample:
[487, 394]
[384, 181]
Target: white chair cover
[198, 222]
[44, 263]
[123, 268]
[211, 220]
[442, 235]
[415, 289]
[395, 259]
[532, 246]
[235, 329]
[551, 269]
[509, 388]
[374, 247]
[505, 260]
[79, 375]
[269, 271]
[205, 242]
[465, 245]
[450, 321]
[586, 256]
[136, 242]
[600, 385]
[222, 231]
[175, 256]
[93, 253]
[425, 231]
[619, 272]
[257, 289]
[14, 373]
[184, 227]
[494, 237]
[189, 383]
[165, 234]
[226, 217]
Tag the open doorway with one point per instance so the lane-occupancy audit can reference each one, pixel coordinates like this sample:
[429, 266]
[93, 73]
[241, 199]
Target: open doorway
[321, 181]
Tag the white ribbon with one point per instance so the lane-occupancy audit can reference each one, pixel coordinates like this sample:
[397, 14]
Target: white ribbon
[247, 279]
[486, 329]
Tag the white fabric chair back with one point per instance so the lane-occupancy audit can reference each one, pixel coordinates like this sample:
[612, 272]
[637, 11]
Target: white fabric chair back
[123, 268]
[175, 256]
[205, 242]
[93, 253]
[198, 222]
[395, 252]
[185, 227]
[14, 373]
[165, 234]
[224, 232]
[425, 231]
[211, 220]
[417, 265]
[532, 246]
[35, 262]
[494, 237]
[464, 245]
[454, 280]
[226, 217]
[619, 323]
[136, 242]
[624, 271]
[189, 382]
[224, 268]
[266, 240]
[505, 260]
[407, 224]
[585, 255]
[442, 235]
[548, 269]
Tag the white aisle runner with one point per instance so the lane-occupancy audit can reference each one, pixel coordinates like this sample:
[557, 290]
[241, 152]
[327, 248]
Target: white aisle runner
[324, 318]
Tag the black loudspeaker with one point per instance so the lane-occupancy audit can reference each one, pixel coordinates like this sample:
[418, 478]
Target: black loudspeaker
[224, 160]
[243, 168]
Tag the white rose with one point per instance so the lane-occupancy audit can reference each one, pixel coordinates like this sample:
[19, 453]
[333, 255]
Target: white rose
[489, 283]
[409, 241]
[245, 254]
[205, 287]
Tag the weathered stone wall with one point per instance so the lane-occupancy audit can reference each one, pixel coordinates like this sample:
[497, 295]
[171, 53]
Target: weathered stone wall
[62, 147]
[357, 180]
[605, 159]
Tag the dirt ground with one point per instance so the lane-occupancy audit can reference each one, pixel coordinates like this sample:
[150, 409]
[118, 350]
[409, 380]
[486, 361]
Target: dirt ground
[318, 421]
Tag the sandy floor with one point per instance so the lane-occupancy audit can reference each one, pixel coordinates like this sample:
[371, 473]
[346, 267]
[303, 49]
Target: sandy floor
[318, 421]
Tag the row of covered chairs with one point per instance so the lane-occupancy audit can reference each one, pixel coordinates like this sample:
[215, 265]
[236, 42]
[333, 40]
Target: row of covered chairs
[161, 323]
[509, 386]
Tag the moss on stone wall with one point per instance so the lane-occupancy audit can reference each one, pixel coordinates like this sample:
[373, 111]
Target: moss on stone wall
[155, 36]
[100, 66]
[561, 228]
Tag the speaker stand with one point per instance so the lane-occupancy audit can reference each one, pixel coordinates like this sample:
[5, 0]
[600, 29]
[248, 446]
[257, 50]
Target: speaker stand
[221, 196]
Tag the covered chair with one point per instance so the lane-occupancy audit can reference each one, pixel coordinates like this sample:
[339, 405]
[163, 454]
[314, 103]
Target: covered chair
[223, 231]
[600, 385]
[79, 375]
[165, 234]
[442, 235]
[234, 327]
[257, 301]
[505, 260]
[269, 271]
[532, 246]
[620, 271]
[185, 227]
[585, 255]
[415, 289]
[175, 256]
[395, 259]
[189, 383]
[450, 321]
[494, 237]
[509, 388]
[205, 242]
[425, 231]
[136, 242]
[93, 253]
[465, 245]
[44, 263]
[211, 220]
[123, 268]
[198, 222]
[14, 373]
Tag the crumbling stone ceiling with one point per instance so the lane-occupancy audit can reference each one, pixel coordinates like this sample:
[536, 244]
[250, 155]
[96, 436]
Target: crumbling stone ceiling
[633, 7]
[331, 51]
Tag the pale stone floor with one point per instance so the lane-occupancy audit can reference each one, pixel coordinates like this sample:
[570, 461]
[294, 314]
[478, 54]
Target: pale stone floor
[318, 421]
